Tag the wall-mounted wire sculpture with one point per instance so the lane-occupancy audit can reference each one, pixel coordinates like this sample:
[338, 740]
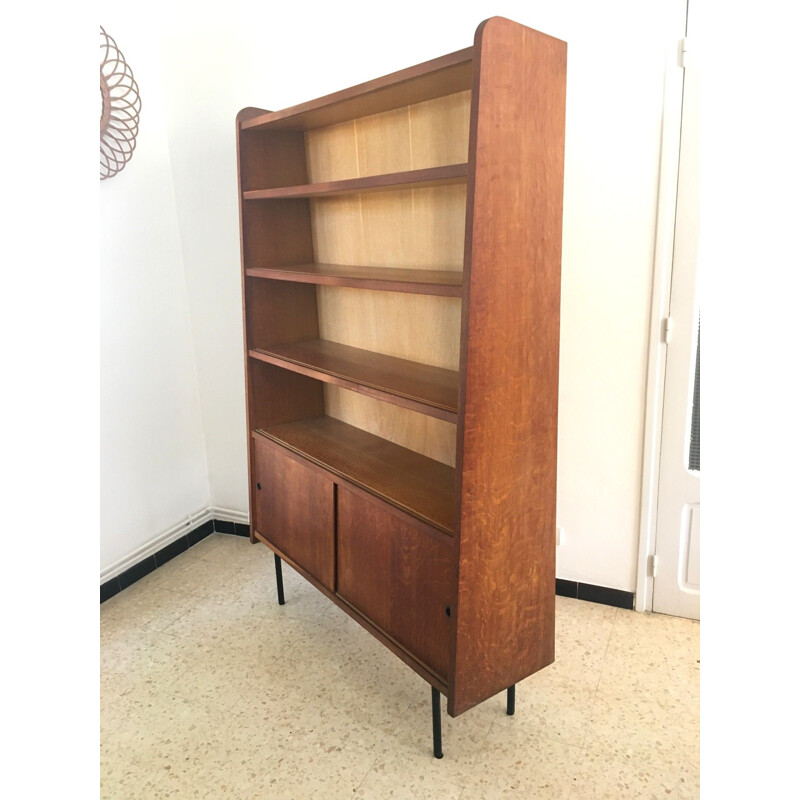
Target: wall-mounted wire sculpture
[121, 104]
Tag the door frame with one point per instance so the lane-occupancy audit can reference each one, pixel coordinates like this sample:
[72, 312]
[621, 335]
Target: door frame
[659, 310]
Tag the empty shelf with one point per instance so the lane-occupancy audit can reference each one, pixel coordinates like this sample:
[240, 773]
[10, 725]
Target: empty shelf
[420, 387]
[417, 484]
[387, 279]
[410, 179]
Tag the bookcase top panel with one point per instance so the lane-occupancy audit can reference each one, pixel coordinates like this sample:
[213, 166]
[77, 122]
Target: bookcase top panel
[440, 76]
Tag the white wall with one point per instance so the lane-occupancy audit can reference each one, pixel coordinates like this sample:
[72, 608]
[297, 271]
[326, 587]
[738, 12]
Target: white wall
[153, 461]
[272, 56]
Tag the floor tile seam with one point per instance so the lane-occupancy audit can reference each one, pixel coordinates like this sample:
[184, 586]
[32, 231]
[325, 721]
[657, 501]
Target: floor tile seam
[594, 698]
[198, 588]
[190, 559]
[153, 629]
[124, 692]
[158, 634]
[106, 731]
[367, 773]
[179, 674]
[173, 633]
[190, 611]
[611, 632]
[192, 592]
[163, 775]
[119, 613]
[583, 741]
[472, 761]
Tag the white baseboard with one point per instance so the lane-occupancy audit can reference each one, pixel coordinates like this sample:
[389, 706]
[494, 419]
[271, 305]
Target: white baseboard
[229, 515]
[171, 535]
[155, 544]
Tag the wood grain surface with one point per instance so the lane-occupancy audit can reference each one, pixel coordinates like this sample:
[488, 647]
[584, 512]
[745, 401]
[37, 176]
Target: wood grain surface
[429, 390]
[295, 511]
[423, 670]
[440, 76]
[398, 576]
[385, 279]
[416, 484]
[506, 468]
[411, 179]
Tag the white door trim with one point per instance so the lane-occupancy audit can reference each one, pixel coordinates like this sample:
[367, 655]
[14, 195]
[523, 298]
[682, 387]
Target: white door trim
[659, 308]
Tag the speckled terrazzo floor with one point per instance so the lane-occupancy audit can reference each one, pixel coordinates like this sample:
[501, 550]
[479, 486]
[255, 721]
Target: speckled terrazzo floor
[209, 689]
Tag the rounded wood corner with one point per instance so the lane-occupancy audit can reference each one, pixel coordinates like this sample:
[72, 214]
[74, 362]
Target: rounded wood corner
[493, 22]
[504, 22]
[248, 113]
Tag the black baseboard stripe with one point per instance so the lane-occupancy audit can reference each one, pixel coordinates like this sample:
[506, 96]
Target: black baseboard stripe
[566, 588]
[580, 591]
[147, 565]
[595, 594]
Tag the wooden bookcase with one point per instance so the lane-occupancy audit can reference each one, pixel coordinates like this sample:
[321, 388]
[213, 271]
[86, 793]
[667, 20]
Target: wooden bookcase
[401, 253]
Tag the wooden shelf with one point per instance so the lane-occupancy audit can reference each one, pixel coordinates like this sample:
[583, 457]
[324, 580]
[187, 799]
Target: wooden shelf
[420, 387]
[410, 179]
[435, 78]
[419, 485]
[388, 279]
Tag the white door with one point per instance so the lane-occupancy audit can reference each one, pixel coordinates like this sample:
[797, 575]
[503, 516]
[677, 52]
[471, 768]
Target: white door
[676, 585]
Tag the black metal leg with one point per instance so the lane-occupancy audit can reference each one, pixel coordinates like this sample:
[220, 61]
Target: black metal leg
[510, 698]
[279, 579]
[437, 722]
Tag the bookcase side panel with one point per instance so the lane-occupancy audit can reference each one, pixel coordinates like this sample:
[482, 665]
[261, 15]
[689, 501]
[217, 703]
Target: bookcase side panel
[506, 467]
[241, 148]
[274, 233]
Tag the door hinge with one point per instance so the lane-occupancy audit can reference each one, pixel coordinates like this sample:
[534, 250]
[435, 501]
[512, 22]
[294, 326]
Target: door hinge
[667, 330]
[683, 53]
[653, 566]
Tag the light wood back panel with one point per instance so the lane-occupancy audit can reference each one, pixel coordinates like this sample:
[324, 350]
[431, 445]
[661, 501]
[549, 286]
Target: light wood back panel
[421, 433]
[415, 229]
[410, 228]
[422, 328]
[419, 228]
[429, 134]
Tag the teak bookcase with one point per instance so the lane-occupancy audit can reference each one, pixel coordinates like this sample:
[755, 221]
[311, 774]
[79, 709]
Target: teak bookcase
[401, 254]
